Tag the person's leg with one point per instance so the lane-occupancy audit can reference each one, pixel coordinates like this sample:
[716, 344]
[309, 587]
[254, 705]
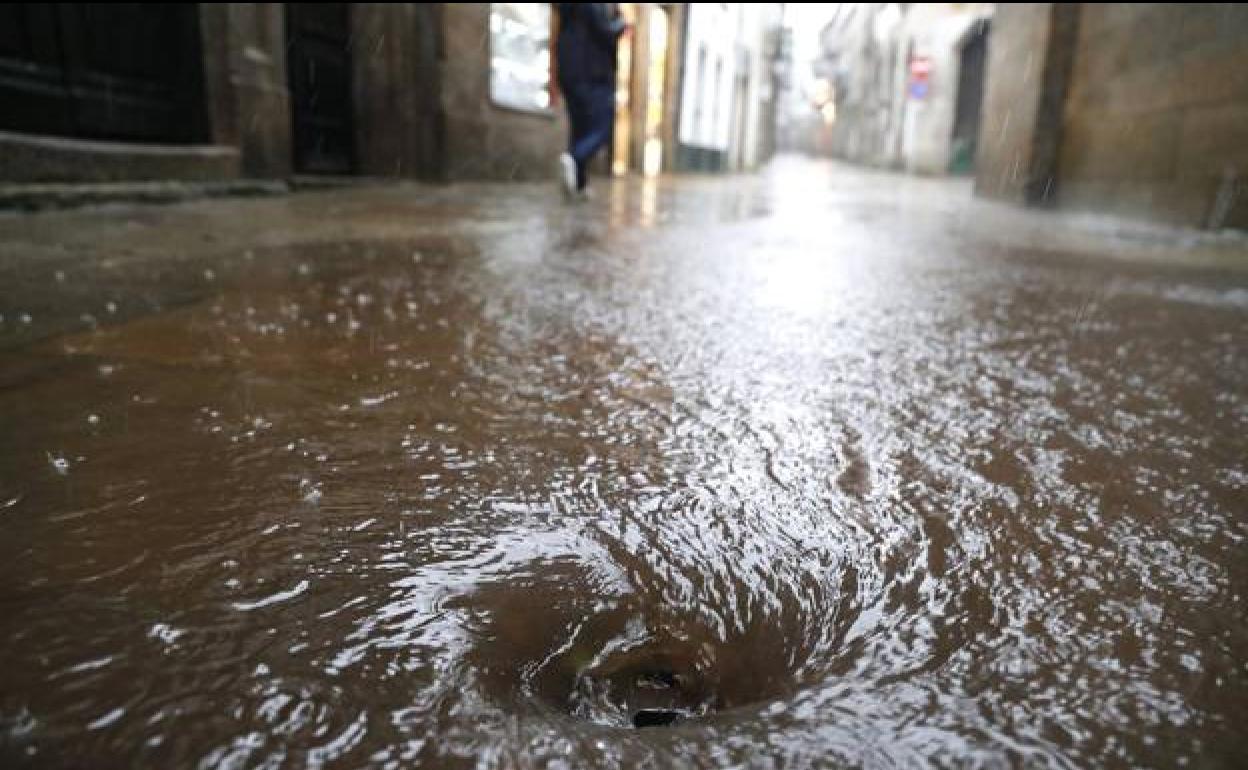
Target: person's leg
[576, 102]
[578, 96]
[598, 122]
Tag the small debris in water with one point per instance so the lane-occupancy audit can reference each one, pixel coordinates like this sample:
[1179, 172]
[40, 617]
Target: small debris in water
[59, 464]
[165, 633]
[309, 491]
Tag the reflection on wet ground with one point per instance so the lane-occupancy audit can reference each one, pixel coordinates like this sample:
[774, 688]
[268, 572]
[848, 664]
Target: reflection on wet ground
[807, 470]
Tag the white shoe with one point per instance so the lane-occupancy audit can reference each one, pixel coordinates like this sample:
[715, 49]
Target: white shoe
[567, 175]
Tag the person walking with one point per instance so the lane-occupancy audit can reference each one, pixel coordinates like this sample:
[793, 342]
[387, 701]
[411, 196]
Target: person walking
[585, 54]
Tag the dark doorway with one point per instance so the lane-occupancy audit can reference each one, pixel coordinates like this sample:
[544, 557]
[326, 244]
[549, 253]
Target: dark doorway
[973, 62]
[319, 63]
[127, 71]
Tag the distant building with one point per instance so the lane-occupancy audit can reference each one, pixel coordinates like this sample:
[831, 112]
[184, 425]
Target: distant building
[904, 83]
[728, 92]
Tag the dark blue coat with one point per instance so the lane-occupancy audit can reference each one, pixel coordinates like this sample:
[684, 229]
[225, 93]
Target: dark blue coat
[588, 33]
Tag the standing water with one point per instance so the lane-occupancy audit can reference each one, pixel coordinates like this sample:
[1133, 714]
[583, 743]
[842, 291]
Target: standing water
[716, 474]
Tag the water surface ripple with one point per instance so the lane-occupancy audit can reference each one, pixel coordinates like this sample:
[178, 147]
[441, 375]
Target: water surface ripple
[837, 491]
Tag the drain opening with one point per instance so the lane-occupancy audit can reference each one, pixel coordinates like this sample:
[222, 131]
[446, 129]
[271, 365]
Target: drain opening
[643, 681]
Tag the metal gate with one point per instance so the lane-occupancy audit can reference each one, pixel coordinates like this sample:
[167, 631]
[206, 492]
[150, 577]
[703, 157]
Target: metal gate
[127, 71]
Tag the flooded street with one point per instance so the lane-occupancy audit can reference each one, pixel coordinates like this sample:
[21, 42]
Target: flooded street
[822, 467]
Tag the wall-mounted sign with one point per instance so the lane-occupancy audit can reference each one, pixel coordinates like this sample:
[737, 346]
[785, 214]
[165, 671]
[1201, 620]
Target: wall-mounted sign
[920, 84]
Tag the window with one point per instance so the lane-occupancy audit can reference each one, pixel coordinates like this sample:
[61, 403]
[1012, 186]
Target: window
[520, 55]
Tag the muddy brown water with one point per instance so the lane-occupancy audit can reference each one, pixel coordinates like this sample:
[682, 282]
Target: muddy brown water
[829, 490]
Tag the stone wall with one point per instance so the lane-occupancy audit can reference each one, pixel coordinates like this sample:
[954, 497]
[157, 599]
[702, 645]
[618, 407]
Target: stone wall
[482, 139]
[1132, 109]
[244, 65]
[1029, 59]
[395, 94]
[1156, 120]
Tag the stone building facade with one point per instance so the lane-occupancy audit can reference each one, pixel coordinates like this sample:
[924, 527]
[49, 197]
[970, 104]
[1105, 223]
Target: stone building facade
[219, 91]
[728, 92]
[1131, 109]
